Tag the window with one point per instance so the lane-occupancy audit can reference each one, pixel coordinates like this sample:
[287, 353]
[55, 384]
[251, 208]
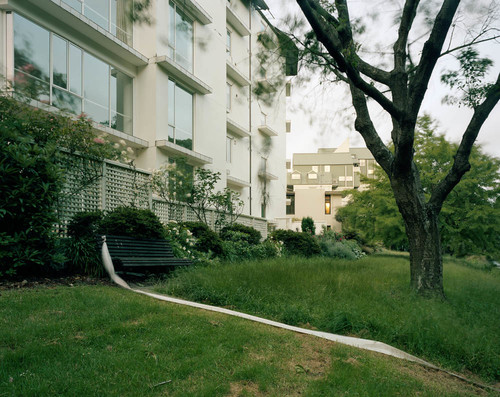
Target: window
[327, 168]
[288, 89]
[312, 176]
[180, 116]
[362, 163]
[263, 118]
[315, 168]
[296, 176]
[228, 42]
[228, 96]
[328, 204]
[288, 126]
[180, 38]
[50, 69]
[108, 14]
[290, 204]
[229, 149]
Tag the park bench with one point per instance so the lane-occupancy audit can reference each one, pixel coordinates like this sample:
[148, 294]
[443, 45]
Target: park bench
[133, 253]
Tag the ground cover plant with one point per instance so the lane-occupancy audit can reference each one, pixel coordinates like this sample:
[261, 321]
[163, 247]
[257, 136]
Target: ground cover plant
[96, 340]
[369, 298]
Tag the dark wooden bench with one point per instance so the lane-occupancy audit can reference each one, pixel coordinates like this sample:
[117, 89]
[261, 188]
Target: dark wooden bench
[131, 252]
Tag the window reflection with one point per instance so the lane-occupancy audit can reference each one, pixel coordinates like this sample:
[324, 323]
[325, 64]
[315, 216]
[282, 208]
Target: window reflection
[106, 95]
[111, 15]
[180, 38]
[180, 116]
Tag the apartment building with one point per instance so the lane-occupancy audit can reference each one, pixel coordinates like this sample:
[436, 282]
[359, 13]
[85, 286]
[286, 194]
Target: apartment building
[181, 86]
[316, 183]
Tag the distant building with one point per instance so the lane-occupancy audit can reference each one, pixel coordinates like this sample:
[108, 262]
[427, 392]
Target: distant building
[179, 87]
[316, 182]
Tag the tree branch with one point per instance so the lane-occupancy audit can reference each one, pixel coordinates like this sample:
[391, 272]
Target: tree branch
[329, 37]
[409, 13]
[461, 163]
[365, 127]
[430, 54]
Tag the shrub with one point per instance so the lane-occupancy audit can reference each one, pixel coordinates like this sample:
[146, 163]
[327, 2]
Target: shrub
[303, 244]
[335, 245]
[206, 239]
[81, 248]
[251, 235]
[307, 225]
[133, 222]
[236, 249]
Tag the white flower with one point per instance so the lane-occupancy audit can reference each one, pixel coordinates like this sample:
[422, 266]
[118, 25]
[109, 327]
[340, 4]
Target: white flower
[122, 142]
[116, 145]
[130, 150]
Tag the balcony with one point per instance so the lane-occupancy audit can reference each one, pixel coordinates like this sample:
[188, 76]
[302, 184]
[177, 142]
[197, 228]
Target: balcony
[196, 11]
[236, 22]
[181, 74]
[69, 18]
[236, 182]
[192, 157]
[266, 130]
[267, 176]
[237, 129]
[235, 75]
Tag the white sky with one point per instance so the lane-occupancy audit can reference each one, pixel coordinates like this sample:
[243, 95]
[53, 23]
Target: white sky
[322, 115]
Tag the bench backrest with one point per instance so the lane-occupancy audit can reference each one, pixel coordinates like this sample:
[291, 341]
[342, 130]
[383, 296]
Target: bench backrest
[124, 247]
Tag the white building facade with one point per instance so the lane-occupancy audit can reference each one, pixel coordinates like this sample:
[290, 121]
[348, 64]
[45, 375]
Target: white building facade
[180, 86]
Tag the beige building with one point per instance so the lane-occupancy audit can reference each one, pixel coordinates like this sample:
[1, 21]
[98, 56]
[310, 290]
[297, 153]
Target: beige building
[180, 86]
[316, 183]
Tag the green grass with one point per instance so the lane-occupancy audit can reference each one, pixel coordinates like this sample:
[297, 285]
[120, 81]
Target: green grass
[105, 341]
[369, 298]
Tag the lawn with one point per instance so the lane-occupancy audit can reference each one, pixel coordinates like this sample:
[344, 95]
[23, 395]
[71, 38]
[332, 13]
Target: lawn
[369, 298]
[106, 341]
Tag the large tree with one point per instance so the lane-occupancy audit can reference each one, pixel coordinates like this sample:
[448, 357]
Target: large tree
[400, 90]
[470, 218]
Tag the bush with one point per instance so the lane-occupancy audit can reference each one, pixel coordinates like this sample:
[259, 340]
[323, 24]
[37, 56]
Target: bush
[296, 243]
[249, 234]
[81, 248]
[237, 249]
[335, 245]
[132, 222]
[307, 225]
[206, 239]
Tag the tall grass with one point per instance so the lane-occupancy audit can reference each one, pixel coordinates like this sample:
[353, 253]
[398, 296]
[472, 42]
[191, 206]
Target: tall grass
[102, 341]
[369, 298]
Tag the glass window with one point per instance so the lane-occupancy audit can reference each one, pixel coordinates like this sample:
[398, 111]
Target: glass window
[228, 41]
[76, 4]
[120, 24]
[31, 58]
[315, 168]
[75, 69]
[228, 96]
[328, 204]
[295, 176]
[97, 11]
[59, 62]
[180, 116]
[290, 204]
[180, 37]
[312, 176]
[229, 149]
[327, 168]
[96, 80]
[121, 101]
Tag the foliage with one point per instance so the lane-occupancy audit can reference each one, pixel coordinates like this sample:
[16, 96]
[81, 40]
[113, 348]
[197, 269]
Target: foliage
[249, 234]
[336, 245]
[81, 246]
[175, 184]
[460, 333]
[184, 243]
[133, 222]
[307, 225]
[470, 218]
[206, 239]
[37, 151]
[236, 248]
[295, 243]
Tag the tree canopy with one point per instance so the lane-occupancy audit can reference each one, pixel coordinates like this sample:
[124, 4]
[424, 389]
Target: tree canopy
[470, 218]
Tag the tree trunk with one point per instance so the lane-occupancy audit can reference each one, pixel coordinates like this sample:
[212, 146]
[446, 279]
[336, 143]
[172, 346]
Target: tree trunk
[426, 262]
[422, 229]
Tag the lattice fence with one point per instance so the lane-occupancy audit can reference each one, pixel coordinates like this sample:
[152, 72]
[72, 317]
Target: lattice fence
[113, 185]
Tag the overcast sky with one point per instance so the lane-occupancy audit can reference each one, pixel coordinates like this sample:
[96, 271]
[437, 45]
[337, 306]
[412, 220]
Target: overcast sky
[322, 115]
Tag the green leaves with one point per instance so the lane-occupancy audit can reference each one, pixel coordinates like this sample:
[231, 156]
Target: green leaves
[468, 80]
